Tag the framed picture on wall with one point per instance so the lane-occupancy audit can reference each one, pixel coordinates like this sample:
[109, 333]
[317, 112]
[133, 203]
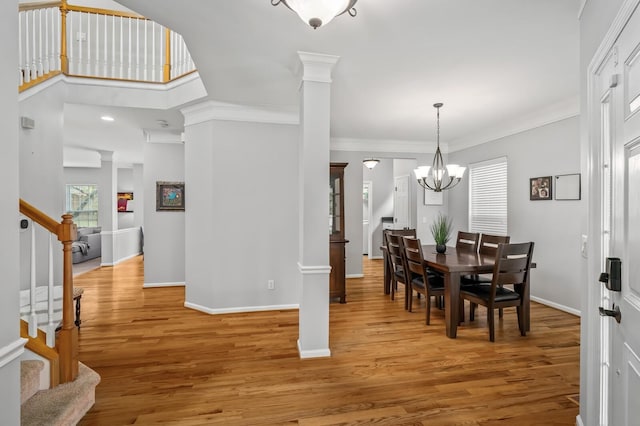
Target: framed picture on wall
[170, 196]
[540, 188]
[432, 198]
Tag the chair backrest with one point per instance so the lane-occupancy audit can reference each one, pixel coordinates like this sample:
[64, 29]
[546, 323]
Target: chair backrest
[401, 232]
[395, 246]
[413, 256]
[489, 243]
[467, 241]
[513, 262]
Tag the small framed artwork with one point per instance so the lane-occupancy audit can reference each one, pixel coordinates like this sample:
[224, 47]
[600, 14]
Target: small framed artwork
[541, 188]
[432, 198]
[568, 187]
[124, 201]
[170, 196]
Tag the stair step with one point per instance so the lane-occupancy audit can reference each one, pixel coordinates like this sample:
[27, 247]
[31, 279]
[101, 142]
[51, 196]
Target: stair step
[63, 405]
[29, 378]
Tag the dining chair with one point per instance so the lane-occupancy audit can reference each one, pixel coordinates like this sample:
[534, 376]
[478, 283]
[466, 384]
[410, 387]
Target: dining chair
[487, 247]
[399, 273]
[422, 282]
[512, 266]
[467, 241]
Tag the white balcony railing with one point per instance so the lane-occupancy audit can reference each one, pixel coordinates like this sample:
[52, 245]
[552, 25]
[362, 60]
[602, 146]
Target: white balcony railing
[56, 37]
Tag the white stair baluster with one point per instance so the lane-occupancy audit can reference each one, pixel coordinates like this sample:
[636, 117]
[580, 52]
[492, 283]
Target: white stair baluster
[20, 71]
[113, 46]
[121, 47]
[33, 316]
[51, 329]
[106, 46]
[145, 50]
[89, 72]
[27, 71]
[47, 34]
[34, 67]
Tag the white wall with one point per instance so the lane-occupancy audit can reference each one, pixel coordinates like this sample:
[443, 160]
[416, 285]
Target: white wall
[553, 225]
[41, 174]
[9, 261]
[242, 215]
[164, 238]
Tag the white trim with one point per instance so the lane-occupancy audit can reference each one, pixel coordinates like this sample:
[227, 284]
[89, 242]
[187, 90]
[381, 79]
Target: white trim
[154, 86]
[376, 257]
[122, 260]
[34, 90]
[348, 276]
[549, 115]
[314, 270]
[579, 421]
[239, 309]
[11, 351]
[317, 67]
[168, 284]
[316, 353]
[385, 145]
[213, 110]
[583, 3]
[555, 305]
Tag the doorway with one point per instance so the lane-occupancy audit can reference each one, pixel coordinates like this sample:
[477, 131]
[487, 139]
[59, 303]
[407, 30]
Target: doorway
[367, 207]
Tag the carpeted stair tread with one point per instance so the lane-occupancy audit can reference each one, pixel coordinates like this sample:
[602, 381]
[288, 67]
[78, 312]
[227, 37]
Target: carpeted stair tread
[65, 404]
[29, 378]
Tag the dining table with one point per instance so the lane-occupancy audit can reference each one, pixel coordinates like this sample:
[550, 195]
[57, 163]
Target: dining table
[455, 263]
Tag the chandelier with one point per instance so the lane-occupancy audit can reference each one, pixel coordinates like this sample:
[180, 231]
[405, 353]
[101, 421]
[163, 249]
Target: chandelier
[318, 12]
[439, 176]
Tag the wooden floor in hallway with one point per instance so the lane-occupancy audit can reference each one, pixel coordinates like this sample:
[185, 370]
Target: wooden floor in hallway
[162, 363]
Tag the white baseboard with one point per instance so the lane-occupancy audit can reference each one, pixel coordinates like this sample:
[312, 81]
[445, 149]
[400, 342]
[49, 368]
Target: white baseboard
[239, 309]
[155, 285]
[354, 276]
[316, 353]
[376, 257]
[579, 421]
[556, 306]
[11, 351]
[121, 260]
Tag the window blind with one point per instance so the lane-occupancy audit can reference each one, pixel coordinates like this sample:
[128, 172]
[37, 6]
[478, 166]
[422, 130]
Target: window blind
[488, 197]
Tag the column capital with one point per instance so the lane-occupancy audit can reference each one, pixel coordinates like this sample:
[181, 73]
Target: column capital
[317, 66]
[106, 155]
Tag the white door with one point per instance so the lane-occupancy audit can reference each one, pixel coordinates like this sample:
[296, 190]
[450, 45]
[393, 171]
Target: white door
[367, 202]
[621, 209]
[401, 202]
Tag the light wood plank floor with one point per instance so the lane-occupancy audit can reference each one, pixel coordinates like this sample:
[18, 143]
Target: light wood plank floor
[163, 363]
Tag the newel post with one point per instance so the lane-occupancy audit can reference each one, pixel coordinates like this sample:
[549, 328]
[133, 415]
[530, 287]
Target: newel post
[64, 61]
[68, 337]
[166, 70]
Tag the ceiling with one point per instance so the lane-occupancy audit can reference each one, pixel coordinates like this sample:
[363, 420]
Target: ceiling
[491, 62]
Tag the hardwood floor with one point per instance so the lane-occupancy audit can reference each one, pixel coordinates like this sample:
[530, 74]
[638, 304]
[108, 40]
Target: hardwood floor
[163, 363]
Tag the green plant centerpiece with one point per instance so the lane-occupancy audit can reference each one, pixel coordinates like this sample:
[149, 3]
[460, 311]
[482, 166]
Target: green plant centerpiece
[441, 231]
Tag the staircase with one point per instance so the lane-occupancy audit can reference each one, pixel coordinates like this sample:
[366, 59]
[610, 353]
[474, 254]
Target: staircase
[47, 322]
[63, 405]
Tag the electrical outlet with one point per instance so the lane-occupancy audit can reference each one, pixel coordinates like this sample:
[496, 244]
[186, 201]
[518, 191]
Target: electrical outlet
[271, 285]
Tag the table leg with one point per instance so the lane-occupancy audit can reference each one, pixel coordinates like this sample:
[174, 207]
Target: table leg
[451, 302]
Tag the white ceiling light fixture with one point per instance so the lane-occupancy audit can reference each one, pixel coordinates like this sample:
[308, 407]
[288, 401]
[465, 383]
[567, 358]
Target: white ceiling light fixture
[439, 176]
[318, 12]
[107, 118]
[370, 163]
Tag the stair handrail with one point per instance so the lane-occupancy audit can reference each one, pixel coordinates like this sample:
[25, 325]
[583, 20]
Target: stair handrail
[66, 232]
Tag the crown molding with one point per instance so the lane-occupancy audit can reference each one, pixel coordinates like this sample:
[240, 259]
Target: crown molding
[553, 113]
[214, 110]
[583, 3]
[163, 136]
[385, 145]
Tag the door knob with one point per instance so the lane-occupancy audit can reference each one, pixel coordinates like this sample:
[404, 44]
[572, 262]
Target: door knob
[615, 312]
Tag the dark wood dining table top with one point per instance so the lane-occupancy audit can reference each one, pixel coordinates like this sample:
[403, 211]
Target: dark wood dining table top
[454, 260]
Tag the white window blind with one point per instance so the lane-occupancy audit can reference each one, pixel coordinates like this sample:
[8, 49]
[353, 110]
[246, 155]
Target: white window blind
[488, 197]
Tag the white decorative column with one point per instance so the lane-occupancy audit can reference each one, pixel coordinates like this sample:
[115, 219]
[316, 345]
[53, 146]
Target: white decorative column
[107, 210]
[313, 247]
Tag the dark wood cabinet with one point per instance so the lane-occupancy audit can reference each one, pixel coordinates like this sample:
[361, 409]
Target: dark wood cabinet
[336, 232]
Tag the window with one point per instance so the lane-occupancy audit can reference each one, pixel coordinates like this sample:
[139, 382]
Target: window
[82, 203]
[488, 197]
